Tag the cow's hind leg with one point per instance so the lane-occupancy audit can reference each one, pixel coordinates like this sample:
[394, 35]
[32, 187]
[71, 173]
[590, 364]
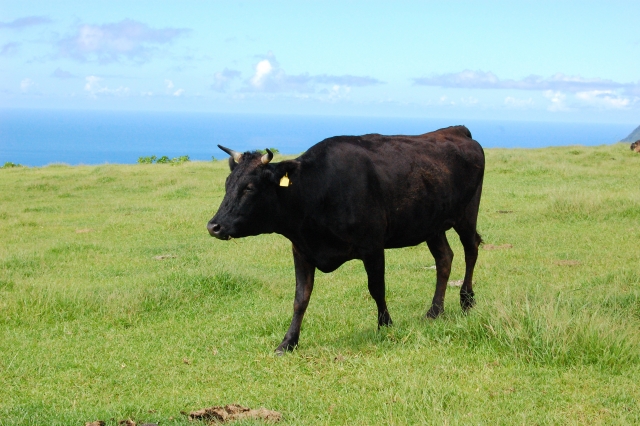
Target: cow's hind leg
[374, 265]
[305, 273]
[443, 255]
[470, 240]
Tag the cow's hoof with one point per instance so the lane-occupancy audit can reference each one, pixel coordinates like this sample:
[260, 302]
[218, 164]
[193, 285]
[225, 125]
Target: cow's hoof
[384, 320]
[467, 300]
[434, 311]
[285, 347]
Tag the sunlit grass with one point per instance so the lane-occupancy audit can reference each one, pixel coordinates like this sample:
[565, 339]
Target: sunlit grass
[115, 303]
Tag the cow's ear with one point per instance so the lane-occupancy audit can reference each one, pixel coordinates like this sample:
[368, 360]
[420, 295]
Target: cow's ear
[289, 167]
[232, 163]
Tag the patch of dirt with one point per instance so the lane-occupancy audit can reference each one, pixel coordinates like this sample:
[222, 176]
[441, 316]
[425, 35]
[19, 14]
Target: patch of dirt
[568, 262]
[165, 256]
[83, 231]
[495, 247]
[504, 211]
[456, 283]
[234, 412]
[127, 422]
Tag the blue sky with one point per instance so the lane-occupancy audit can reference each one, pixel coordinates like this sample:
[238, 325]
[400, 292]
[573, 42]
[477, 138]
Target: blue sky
[551, 61]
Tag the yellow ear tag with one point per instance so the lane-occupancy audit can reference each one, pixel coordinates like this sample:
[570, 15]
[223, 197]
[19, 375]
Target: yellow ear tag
[284, 181]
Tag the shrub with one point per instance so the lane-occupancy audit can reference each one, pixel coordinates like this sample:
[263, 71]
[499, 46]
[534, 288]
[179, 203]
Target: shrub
[274, 150]
[163, 160]
[9, 165]
[147, 160]
[180, 160]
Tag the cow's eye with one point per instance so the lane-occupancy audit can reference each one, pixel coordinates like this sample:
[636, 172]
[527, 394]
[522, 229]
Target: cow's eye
[249, 187]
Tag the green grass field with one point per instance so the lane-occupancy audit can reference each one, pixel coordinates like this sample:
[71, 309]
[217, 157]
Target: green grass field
[115, 303]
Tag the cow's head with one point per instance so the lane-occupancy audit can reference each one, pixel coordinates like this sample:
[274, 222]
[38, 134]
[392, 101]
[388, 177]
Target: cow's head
[250, 205]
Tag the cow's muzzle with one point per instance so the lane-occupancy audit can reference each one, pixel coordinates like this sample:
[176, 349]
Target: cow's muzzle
[215, 230]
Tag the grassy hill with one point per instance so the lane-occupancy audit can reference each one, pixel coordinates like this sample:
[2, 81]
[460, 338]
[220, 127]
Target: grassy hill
[633, 136]
[115, 303]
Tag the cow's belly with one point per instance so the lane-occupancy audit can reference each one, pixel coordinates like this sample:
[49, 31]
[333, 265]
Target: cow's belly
[329, 258]
[324, 249]
[415, 226]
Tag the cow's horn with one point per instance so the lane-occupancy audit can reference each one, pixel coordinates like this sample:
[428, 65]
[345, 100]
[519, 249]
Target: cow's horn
[267, 157]
[235, 154]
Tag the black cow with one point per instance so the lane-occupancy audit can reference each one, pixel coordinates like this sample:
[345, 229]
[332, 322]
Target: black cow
[351, 197]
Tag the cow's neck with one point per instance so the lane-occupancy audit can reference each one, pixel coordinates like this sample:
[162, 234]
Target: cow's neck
[290, 214]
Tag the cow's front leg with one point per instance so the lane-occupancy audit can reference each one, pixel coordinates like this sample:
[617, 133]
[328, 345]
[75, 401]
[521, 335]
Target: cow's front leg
[374, 265]
[305, 273]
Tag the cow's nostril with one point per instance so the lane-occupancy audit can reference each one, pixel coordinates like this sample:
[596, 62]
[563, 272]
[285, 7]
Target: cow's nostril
[214, 229]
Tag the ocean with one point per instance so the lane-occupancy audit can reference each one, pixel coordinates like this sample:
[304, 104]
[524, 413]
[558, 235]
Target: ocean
[41, 137]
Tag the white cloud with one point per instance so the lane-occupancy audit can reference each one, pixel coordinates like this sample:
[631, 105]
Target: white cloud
[557, 101]
[517, 103]
[94, 86]
[464, 79]
[222, 80]
[127, 39]
[27, 21]
[604, 99]
[444, 100]
[559, 82]
[62, 74]
[564, 92]
[469, 101]
[26, 84]
[170, 86]
[9, 49]
[91, 83]
[269, 77]
[335, 93]
[263, 69]
[345, 80]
